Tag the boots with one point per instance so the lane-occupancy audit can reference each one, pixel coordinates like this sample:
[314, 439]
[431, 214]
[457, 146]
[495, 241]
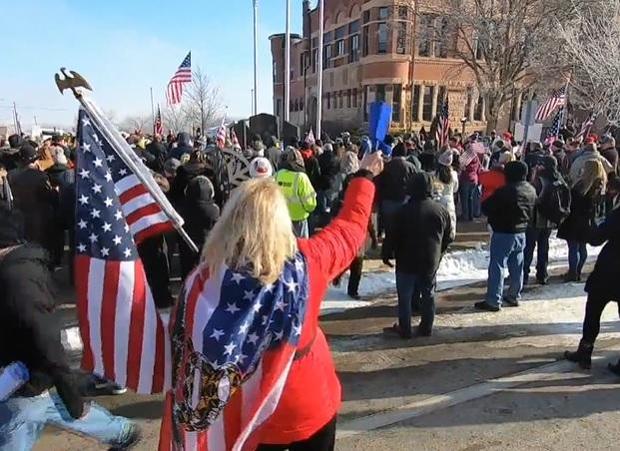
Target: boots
[583, 355]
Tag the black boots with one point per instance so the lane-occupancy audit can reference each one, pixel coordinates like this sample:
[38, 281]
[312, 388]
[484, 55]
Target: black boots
[583, 355]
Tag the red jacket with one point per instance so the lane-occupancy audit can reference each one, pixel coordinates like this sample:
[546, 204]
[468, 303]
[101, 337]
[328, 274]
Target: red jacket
[312, 394]
[491, 181]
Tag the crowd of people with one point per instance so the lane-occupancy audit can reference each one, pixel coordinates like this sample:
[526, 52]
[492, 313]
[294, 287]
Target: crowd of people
[419, 196]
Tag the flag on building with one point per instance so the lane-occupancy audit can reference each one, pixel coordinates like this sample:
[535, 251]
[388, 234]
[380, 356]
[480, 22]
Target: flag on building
[124, 338]
[234, 139]
[183, 76]
[248, 350]
[557, 99]
[554, 130]
[220, 138]
[443, 124]
[159, 126]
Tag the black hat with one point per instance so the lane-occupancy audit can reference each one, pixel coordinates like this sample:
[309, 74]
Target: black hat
[15, 141]
[28, 153]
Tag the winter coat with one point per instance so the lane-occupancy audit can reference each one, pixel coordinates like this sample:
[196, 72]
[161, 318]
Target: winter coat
[330, 169]
[36, 199]
[185, 174]
[350, 164]
[583, 214]
[299, 193]
[580, 161]
[511, 208]
[313, 170]
[541, 184]
[200, 211]
[604, 279]
[491, 181]
[183, 146]
[611, 155]
[60, 176]
[9, 158]
[29, 332]
[469, 174]
[274, 155]
[393, 182]
[444, 194]
[420, 232]
[311, 395]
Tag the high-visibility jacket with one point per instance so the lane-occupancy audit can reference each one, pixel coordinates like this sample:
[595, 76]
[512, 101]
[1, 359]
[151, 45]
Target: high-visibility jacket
[299, 193]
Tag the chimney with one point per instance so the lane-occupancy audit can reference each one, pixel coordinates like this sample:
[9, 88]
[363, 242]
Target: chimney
[306, 21]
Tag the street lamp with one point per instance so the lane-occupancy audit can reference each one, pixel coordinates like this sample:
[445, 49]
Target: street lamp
[463, 122]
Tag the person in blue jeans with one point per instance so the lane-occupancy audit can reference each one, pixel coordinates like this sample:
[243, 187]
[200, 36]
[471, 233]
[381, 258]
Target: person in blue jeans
[509, 211]
[468, 182]
[418, 237]
[30, 333]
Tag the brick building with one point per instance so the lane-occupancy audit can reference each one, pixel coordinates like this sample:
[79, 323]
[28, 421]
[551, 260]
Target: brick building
[367, 57]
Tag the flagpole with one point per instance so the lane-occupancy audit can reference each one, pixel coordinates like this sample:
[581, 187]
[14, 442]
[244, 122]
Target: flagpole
[255, 94]
[287, 63]
[152, 111]
[319, 84]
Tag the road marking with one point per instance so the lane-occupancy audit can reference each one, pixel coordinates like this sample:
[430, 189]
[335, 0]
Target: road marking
[453, 398]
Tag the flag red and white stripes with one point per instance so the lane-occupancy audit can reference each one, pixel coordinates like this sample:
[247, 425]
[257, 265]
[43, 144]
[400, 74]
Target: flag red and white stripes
[159, 126]
[221, 136]
[233, 138]
[557, 99]
[183, 76]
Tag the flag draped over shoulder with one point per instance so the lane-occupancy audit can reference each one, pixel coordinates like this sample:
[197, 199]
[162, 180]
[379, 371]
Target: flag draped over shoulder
[233, 343]
[124, 338]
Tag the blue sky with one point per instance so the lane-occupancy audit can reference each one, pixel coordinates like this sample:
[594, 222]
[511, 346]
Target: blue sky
[123, 47]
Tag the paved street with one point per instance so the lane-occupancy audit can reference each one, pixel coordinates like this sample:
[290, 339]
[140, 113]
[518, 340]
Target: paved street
[483, 381]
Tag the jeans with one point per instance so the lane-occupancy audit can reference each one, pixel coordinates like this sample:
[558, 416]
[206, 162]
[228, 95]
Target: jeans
[22, 421]
[536, 238]
[466, 190]
[300, 229]
[477, 201]
[577, 256]
[506, 251]
[406, 285]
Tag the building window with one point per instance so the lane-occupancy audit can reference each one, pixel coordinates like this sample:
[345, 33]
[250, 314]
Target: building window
[382, 44]
[328, 37]
[401, 38]
[275, 72]
[341, 32]
[396, 102]
[354, 27]
[278, 107]
[329, 101]
[327, 56]
[354, 45]
[441, 95]
[315, 57]
[427, 104]
[403, 12]
[340, 48]
[468, 100]
[365, 41]
[443, 38]
[354, 96]
[366, 16]
[380, 93]
[425, 46]
[340, 100]
[301, 104]
[384, 13]
[478, 109]
[365, 100]
[348, 98]
[415, 104]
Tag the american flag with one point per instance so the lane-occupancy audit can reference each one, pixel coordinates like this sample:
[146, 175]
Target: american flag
[159, 126]
[182, 76]
[220, 139]
[557, 99]
[230, 329]
[554, 131]
[124, 338]
[310, 139]
[586, 127]
[233, 138]
[443, 124]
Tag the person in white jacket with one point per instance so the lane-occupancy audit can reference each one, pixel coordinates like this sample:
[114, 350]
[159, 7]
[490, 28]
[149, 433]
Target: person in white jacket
[446, 185]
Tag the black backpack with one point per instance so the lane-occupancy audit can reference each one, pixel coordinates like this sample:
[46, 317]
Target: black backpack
[555, 202]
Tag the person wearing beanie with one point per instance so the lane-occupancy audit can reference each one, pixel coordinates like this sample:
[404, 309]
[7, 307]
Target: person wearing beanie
[9, 157]
[298, 191]
[446, 185]
[552, 207]
[260, 168]
[608, 150]
[509, 211]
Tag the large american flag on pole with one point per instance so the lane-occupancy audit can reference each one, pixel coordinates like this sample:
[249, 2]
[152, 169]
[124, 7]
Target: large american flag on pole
[220, 138]
[443, 124]
[159, 126]
[183, 75]
[557, 99]
[234, 340]
[124, 338]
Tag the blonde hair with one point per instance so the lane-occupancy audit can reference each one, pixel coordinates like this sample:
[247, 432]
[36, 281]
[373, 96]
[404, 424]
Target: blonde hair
[593, 177]
[254, 232]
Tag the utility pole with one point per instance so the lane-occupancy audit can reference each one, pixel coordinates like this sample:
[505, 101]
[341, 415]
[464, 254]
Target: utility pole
[319, 84]
[255, 94]
[287, 63]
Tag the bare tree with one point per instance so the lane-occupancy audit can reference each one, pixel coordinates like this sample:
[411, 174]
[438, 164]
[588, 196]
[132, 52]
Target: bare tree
[592, 51]
[202, 103]
[139, 122]
[175, 119]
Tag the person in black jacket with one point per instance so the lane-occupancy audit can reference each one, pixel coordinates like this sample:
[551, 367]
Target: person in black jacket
[200, 213]
[602, 287]
[29, 333]
[417, 238]
[509, 211]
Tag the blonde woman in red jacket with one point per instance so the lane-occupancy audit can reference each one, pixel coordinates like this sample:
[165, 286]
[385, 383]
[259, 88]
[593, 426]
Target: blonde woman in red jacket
[251, 366]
